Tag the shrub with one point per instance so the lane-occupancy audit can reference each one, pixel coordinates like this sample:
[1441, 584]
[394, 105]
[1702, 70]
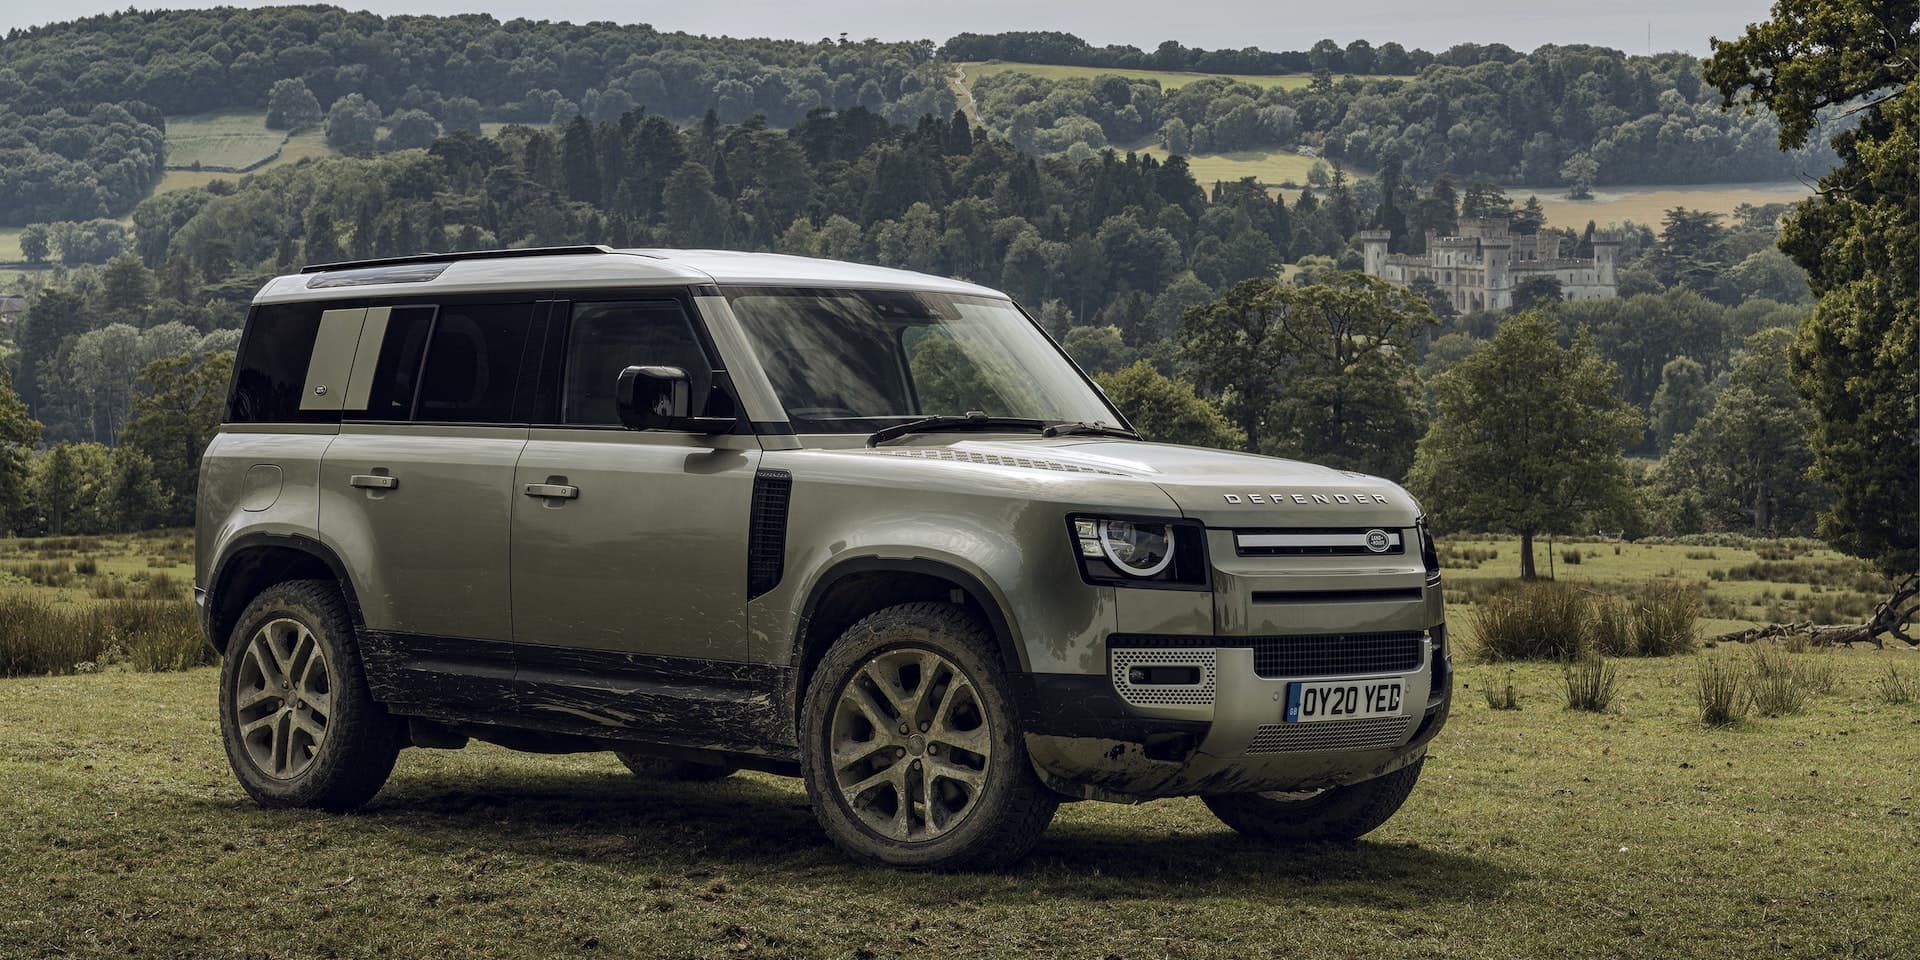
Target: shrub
[1896, 688]
[1505, 697]
[1666, 620]
[86, 567]
[1540, 621]
[1570, 557]
[1720, 691]
[1591, 684]
[1611, 625]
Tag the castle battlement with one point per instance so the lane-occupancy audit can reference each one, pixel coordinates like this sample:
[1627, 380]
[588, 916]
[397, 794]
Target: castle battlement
[1478, 269]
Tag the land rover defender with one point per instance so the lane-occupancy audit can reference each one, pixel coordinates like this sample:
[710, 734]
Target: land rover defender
[716, 511]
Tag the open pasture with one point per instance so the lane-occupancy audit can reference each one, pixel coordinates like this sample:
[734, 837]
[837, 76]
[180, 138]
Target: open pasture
[230, 140]
[1168, 79]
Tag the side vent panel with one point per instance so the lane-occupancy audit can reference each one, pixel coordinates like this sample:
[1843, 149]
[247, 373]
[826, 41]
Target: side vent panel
[767, 531]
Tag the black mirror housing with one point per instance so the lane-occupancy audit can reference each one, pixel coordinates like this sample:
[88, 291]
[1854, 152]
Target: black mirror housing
[661, 398]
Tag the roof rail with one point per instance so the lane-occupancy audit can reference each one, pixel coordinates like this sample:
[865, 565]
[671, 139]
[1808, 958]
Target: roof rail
[450, 257]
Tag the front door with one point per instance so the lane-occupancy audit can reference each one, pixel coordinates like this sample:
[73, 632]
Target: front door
[630, 547]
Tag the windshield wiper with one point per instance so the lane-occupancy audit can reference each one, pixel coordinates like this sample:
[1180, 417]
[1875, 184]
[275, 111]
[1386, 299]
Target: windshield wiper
[1088, 429]
[947, 422]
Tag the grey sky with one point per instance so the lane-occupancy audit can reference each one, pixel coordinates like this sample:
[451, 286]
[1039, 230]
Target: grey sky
[1433, 24]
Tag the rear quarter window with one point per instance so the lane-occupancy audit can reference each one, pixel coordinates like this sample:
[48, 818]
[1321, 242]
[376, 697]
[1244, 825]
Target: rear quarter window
[270, 369]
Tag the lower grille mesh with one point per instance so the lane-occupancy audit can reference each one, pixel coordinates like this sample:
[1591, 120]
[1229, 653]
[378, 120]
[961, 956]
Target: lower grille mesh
[1348, 653]
[1376, 733]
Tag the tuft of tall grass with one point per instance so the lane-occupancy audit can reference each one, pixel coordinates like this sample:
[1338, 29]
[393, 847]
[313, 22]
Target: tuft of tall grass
[1591, 684]
[1540, 621]
[1780, 682]
[1720, 690]
[37, 637]
[1570, 557]
[1503, 697]
[1666, 620]
[1896, 688]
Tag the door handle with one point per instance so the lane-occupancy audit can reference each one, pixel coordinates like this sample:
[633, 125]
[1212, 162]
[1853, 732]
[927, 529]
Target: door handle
[373, 481]
[553, 491]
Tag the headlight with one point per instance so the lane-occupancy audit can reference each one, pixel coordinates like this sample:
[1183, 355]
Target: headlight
[1141, 551]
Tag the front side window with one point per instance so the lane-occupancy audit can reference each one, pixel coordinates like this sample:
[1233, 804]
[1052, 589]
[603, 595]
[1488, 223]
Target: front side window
[606, 338]
[847, 361]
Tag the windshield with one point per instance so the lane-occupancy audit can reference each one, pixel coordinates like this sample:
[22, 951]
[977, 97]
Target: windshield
[851, 361]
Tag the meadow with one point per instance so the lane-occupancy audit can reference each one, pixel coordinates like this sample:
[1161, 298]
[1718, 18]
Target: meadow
[1648, 204]
[231, 140]
[1168, 79]
[1536, 831]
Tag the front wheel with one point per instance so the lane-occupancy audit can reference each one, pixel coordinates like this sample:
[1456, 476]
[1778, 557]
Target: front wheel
[1337, 813]
[910, 748]
[300, 728]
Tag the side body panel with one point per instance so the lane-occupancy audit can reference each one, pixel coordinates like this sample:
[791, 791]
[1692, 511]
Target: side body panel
[255, 480]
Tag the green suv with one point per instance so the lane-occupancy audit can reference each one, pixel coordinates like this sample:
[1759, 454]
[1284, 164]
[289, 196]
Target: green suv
[715, 511]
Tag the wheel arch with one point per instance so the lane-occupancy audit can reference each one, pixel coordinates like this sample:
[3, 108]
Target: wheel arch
[255, 561]
[855, 587]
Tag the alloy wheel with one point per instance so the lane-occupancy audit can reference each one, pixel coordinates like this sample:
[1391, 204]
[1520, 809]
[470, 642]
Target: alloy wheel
[910, 744]
[283, 698]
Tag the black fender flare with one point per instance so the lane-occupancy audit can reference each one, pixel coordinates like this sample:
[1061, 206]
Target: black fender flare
[1004, 633]
[223, 571]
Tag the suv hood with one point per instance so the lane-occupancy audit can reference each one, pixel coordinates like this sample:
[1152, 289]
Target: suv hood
[1218, 487]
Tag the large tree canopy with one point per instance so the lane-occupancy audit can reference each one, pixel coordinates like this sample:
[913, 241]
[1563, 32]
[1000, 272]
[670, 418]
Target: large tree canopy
[1859, 239]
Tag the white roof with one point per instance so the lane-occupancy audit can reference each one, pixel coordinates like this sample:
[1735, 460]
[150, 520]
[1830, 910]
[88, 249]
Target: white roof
[625, 268]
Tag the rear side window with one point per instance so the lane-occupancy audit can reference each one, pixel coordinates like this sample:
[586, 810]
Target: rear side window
[270, 371]
[606, 338]
[473, 363]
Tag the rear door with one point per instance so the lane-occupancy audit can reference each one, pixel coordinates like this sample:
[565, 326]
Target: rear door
[416, 495]
[630, 547]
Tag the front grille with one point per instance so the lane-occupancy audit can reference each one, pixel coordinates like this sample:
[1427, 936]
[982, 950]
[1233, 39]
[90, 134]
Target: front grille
[1375, 733]
[1346, 653]
[1316, 542]
[1327, 655]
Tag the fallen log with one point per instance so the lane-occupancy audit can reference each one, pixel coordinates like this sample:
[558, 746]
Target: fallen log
[1890, 618]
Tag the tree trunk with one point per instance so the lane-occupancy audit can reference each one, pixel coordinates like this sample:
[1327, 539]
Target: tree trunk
[1527, 571]
[1889, 617]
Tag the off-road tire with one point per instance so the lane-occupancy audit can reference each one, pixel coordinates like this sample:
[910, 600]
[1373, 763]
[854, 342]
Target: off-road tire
[1004, 817]
[1336, 814]
[649, 767]
[362, 740]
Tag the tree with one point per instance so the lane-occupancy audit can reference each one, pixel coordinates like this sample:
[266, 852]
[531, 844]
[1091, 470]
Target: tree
[1526, 438]
[18, 433]
[1680, 401]
[1748, 459]
[131, 499]
[291, 106]
[1166, 410]
[353, 123]
[174, 420]
[1320, 371]
[34, 243]
[410, 130]
[1579, 172]
[1858, 238]
[1098, 350]
[1538, 290]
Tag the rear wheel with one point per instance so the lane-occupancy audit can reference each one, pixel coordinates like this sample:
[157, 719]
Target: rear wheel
[650, 767]
[1337, 813]
[910, 748]
[299, 726]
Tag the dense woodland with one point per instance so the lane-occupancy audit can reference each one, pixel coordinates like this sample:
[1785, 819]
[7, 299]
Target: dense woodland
[83, 104]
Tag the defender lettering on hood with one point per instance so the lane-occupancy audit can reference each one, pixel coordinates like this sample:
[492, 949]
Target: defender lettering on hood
[1306, 498]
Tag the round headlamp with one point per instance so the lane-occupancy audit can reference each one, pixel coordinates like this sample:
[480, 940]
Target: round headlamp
[1137, 549]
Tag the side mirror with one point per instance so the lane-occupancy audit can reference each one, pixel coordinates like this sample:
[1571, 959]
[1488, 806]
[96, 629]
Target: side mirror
[661, 398]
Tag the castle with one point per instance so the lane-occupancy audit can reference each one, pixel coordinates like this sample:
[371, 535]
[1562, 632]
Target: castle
[1479, 269]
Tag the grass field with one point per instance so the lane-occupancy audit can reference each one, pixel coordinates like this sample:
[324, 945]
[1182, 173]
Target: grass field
[1267, 167]
[1647, 205]
[235, 139]
[10, 245]
[1539, 832]
[1168, 79]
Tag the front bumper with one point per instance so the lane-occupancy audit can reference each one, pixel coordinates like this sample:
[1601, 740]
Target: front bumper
[1093, 737]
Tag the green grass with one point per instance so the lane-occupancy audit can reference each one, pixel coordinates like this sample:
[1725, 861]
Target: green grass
[1271, 167]
[1168, 79]
[233, 139]
[10, 245]
[1536, 833]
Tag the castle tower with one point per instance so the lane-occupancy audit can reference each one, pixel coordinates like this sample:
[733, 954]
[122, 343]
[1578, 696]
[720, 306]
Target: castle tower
[1373, 244]
[1496, 255]
[1605, 250]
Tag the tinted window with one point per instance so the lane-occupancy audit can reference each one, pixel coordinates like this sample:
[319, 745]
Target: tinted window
[473, 363]
[607, 338]
[270, 371]
[397, 372]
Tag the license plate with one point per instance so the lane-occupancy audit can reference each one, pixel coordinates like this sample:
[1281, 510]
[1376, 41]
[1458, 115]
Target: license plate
[1313, 701]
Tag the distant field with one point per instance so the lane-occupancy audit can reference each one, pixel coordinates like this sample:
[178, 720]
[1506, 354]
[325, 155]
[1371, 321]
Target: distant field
[10, 245]
[1168, 79]
[234, 139]
[309, 144]
[1647, 204]
[1268, 167]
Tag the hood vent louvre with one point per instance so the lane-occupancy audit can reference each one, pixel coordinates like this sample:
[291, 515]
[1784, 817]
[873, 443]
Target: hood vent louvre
[996, 460]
